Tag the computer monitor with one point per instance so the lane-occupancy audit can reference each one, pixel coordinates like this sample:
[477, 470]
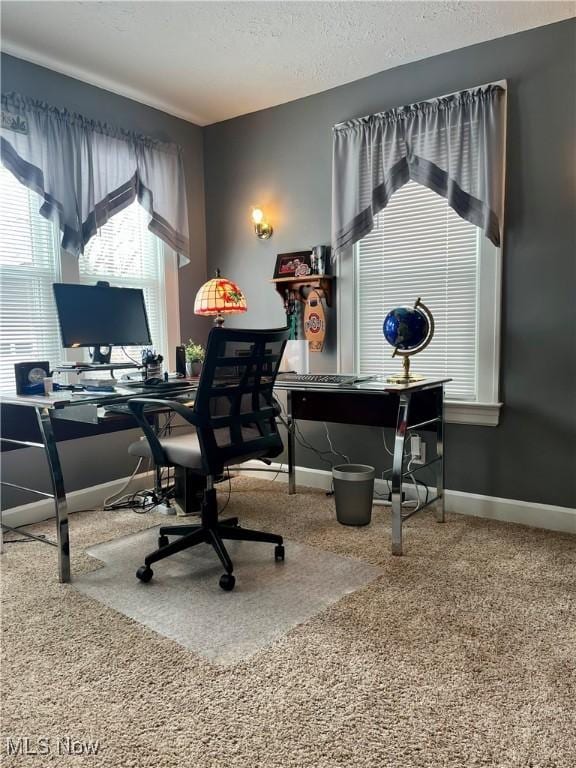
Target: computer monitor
[99, 316]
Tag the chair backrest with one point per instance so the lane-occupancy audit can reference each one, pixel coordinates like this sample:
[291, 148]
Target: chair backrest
[234, 403]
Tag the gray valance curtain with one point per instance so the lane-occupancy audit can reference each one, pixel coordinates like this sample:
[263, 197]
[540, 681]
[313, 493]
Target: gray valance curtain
[86, 171]
[454, 145]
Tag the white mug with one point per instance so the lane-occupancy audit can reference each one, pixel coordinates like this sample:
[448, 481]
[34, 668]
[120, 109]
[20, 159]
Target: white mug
[48, 385]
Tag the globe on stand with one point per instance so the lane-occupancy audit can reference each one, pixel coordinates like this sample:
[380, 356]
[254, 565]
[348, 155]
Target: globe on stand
[409, 331]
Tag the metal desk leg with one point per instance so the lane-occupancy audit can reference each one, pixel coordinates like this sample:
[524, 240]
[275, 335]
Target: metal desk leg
[291, 444]
[401, 424]
[157, 467]
[47, 432]
[440, 454]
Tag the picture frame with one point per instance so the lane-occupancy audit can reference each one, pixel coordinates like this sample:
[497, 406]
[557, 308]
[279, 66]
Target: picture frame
[30, 377]
[296, 264]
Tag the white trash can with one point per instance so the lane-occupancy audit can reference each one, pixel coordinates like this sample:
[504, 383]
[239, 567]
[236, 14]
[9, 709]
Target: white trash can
[353, 493]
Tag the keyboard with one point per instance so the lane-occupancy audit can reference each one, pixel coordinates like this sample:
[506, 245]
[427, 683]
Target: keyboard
[321, 379]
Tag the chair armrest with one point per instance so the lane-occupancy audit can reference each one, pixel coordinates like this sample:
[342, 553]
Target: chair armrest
[138, 404]
[138, 407]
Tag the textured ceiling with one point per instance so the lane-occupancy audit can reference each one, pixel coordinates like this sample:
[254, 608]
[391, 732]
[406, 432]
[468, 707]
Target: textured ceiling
[208, 61]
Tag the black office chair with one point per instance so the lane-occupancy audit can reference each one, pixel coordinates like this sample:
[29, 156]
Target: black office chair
[235, 420]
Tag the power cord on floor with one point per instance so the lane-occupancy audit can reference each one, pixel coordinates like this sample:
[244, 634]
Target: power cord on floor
[22, 541]
[108, 503]
[142, 502]
[280, 468]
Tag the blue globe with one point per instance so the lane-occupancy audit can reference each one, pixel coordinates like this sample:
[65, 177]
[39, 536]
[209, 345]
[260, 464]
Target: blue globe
[405, 328]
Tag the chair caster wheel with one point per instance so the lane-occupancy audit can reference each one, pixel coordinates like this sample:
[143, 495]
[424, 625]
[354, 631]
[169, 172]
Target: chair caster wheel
[163, 541]
[279, 553]
[144, 573]
[227, 581]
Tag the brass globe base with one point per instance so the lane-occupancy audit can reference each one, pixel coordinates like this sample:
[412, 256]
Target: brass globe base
[406, 377]
[400, 378]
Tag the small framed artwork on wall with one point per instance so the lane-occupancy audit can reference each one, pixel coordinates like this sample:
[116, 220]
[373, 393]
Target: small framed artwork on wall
[296, 264]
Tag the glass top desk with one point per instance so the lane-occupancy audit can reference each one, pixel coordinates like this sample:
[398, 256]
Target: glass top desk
[404, 408]
[86, 408]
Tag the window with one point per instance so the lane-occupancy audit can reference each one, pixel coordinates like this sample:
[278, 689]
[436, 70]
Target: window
[420, 247]
[124, 252]
[127, 254]
[29, 264]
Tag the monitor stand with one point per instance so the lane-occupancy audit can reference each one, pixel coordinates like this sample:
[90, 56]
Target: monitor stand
[101, 355]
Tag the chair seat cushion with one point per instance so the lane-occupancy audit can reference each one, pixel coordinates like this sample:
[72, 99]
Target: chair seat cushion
[183, 450]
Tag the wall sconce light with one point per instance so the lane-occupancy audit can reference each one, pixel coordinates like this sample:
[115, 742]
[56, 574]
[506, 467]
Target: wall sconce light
[261, 227]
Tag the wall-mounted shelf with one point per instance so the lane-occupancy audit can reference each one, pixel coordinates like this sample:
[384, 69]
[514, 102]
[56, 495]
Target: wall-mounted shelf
[298, 285]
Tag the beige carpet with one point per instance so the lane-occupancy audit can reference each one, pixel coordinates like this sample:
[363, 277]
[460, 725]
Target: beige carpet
[461, 654]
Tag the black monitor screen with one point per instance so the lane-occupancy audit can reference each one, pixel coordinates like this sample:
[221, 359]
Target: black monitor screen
[93, 315]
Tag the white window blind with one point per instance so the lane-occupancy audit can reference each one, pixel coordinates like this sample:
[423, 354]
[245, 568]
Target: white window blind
[126, 254]
[420, 247]
[29, 264]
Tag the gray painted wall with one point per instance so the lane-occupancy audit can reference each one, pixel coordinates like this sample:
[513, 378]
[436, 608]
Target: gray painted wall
[280, 158]
[94, 460]
[85, 462]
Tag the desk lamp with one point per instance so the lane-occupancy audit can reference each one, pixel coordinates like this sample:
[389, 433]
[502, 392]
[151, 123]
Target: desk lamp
[219, 297]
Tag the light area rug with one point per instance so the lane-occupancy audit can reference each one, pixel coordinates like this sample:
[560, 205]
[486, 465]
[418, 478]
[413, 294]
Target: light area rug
[460, 654]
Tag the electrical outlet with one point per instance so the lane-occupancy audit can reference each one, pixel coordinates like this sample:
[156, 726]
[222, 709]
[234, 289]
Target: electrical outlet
[422, 458]
[417, 449]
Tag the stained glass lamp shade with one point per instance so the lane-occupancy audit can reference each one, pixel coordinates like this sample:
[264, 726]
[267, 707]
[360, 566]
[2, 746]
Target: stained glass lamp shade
[219, 297]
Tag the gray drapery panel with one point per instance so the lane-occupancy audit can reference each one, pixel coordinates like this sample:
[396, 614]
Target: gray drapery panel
[86, 171]
[454, 145]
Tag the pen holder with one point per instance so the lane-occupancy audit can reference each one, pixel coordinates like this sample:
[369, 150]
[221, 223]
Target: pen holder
[153, 371]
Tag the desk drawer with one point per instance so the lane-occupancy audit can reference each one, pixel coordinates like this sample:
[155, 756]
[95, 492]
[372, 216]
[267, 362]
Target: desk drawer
[345, 408]
[364, 409]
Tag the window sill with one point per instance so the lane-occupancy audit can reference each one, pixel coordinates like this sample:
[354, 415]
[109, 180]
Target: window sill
[481, 414]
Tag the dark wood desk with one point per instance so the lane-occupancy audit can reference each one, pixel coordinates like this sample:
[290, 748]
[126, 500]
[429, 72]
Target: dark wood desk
[404, 408]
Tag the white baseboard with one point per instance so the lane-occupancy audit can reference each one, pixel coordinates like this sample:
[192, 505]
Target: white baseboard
[85, 498]
[548, 516]
[537, 515]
